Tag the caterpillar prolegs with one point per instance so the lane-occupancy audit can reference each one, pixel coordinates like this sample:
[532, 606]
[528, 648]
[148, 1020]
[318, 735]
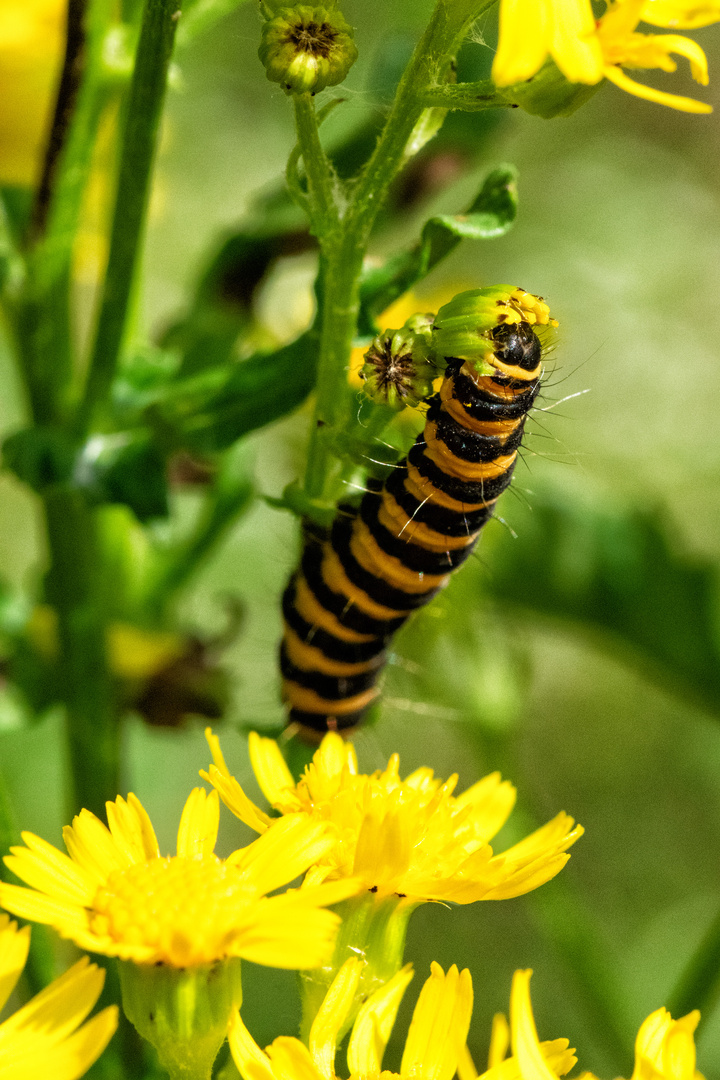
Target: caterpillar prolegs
[388, 557]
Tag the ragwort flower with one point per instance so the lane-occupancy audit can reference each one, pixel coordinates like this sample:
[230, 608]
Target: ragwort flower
[47, 1036]
[435, 1041]
[623, 47]
[411, 837]
[115, 894]
[586, 51]
[664, 1048]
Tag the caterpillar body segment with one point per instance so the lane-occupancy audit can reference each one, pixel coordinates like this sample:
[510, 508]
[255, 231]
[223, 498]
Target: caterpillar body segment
[388, 557]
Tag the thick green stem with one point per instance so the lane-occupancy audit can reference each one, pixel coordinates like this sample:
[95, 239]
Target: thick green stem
[139, 142]
[354, 209]
[87, 689]
[699, 984]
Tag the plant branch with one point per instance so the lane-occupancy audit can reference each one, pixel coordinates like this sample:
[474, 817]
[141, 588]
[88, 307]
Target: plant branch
[139, 142]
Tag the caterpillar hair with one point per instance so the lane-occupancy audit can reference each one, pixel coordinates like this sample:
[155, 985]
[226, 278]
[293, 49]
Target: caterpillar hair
[388, 557]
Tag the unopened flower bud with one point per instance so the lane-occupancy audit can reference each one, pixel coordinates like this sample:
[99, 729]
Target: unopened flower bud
[398, 369]
[307, 48]
[466, 326]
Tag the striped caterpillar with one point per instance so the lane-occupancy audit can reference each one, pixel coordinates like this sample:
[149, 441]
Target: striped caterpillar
[389, 556]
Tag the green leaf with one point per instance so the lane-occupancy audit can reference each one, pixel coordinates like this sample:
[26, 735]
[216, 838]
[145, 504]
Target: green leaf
[211, 412]
[490, 215]
[620, 573]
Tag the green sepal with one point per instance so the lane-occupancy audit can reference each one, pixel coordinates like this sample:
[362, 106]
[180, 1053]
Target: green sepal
[490, 215]
[549, 94]
[371, 928]
[182, 1012]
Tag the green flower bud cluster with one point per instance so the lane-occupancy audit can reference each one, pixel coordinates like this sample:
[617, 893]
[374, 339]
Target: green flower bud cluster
[463, 327]
[399, 368]
[306, 49]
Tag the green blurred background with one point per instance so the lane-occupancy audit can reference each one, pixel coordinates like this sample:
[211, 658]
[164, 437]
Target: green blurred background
[619, 229]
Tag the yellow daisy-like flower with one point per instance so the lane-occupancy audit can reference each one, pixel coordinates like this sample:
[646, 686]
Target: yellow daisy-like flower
[31, 43]
[434, 1045]
[623, 47]
[664, 1048]
[587, 51]
[115, 894]
[47, 1037]
[408, 837]
[530, 30]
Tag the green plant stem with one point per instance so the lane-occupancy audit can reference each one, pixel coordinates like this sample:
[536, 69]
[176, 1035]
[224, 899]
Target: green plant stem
[139, 142]
[72, 588]
[344, 230]
[699, 985]
[41, 315]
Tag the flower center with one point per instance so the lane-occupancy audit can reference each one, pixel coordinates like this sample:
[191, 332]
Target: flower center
[312, 37]
[187, 911]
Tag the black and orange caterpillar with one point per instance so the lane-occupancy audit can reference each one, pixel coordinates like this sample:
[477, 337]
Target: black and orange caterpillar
[389, 556]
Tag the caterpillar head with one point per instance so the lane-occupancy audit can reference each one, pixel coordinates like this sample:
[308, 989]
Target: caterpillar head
[493, 329]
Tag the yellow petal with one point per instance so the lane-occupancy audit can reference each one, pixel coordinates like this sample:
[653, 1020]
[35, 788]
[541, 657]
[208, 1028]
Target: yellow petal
[523, 43]
[131, 829]
[673, 101]
[251, 1061]
[499, 1040]
[439, 1027]
[374, 1024]
[282, 931]
[63, 1004]
[573, 42]
[14, 945]
[270, 768]
[283, 852]
[44, 867]
[91, 846]
[236, 800]
[291, 1060]
[36, 907]
[492, 801]
[333, 1013]
[198, 829]
[681, 14]
[683, 46]
[525, 1042]
[466, 1066]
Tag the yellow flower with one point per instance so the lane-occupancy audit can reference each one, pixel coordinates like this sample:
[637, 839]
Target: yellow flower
[408, 837]
[115, 894]
[31, 42]
[623, 47]
[434, 1045]
[45, 1037]
[530, 30]
[664, 1048]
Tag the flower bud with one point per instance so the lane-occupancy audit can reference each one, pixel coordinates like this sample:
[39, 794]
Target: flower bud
[307, 48]
[549, 93]
[398, 370]
[464, 328]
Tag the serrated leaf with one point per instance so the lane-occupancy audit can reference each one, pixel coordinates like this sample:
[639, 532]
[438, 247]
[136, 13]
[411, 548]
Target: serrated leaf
[621, 572]
[491, 214]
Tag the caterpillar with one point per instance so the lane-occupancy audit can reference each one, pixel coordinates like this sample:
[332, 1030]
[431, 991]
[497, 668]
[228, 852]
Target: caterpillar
[389, 556]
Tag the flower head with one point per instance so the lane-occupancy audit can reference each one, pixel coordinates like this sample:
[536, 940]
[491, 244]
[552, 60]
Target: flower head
[664, 1048]
[433, 1047]
[115, 894]
[307, 48]
[47, 1036]
[410, 837]
[623, 47]
[542, 41]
